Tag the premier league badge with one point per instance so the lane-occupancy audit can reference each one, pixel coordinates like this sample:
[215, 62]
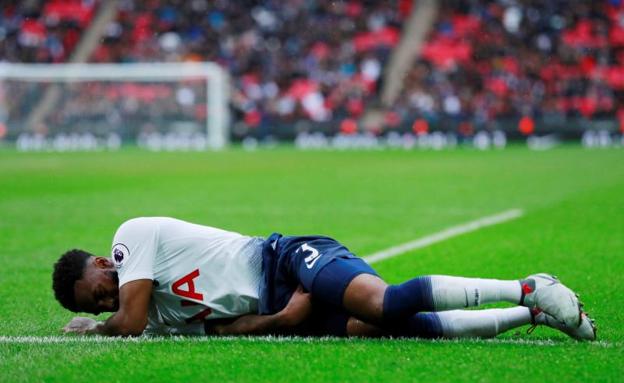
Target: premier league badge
[119, 254]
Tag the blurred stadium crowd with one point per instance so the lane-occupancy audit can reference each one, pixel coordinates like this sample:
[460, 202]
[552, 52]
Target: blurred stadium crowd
[322, 61]
[544, 59]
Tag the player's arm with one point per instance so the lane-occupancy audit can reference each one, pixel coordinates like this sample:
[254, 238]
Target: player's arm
[296, 311]
[129, 320]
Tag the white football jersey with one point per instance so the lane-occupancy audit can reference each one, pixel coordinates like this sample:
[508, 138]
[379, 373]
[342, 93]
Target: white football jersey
[198, 272]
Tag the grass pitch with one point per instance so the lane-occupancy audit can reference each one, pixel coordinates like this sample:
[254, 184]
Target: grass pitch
[573, 227]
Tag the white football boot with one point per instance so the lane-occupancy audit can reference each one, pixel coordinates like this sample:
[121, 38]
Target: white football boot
[546, 293]
[586, 331]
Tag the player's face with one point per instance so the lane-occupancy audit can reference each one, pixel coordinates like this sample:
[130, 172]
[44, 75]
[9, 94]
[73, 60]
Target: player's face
[98, 290]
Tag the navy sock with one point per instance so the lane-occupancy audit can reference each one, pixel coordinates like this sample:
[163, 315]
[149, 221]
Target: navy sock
[422, 325]
[403, 301]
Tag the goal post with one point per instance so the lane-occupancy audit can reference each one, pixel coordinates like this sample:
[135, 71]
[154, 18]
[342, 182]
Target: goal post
[207, 96]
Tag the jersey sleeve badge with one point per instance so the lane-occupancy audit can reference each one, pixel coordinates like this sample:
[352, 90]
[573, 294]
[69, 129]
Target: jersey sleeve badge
[119, 254]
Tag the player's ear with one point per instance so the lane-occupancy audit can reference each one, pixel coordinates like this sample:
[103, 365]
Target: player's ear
[102, 263]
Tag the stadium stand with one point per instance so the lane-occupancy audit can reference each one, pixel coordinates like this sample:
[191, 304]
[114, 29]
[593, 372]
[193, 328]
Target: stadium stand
[483, 63]
[289, 59]
[42, 31]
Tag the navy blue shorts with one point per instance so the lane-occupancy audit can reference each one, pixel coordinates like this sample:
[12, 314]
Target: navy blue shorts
[321, 265]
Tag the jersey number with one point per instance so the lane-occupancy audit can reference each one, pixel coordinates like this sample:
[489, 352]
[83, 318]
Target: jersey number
[190, 293]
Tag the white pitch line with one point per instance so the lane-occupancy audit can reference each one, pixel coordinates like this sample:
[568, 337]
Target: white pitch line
[72, 339]
[445, 234]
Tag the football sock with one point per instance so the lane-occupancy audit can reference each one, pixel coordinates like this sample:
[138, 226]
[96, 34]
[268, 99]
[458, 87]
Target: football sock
[462, 323]
[421, 325]
[439, 293]
[481, 323]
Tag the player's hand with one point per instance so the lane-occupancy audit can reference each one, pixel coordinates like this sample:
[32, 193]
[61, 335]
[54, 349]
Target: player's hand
[81, 325]
[298, 308]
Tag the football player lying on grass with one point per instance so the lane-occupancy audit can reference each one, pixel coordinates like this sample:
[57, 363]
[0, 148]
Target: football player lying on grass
[173, 277]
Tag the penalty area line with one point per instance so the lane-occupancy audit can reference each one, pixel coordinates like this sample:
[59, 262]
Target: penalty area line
[445, 234]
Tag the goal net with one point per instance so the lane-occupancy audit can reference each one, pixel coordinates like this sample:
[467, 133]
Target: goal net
[160, 106]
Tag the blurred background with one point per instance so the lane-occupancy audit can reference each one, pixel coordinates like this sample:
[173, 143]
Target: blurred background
[369, 74]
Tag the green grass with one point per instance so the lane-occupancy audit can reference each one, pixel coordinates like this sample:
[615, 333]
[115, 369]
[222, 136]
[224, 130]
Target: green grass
[573, 227]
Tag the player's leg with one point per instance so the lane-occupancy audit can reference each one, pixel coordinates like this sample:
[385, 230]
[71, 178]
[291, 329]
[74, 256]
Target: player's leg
[472, 324]
[335, 276]
[449, 324]
[481, 323]
[371, 298]
[352, 284]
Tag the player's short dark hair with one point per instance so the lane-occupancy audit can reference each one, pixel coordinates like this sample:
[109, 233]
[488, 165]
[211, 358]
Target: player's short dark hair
[67, 270]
